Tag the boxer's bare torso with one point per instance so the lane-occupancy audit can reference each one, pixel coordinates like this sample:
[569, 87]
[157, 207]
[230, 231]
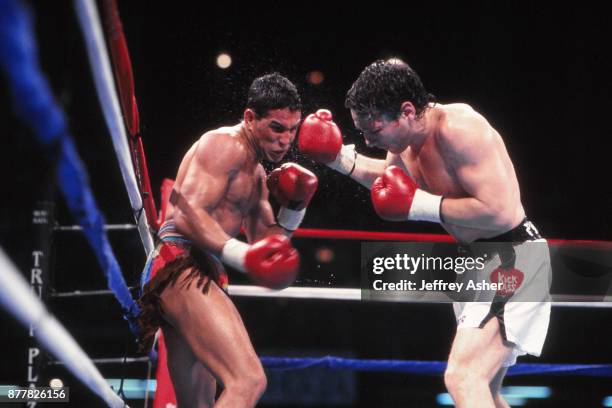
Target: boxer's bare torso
[230, 181]
[462, 157]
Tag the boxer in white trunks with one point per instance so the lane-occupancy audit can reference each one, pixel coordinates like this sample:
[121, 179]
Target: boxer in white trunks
[445, 164]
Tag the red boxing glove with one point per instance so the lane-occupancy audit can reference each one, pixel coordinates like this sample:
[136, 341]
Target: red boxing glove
[271, 262]
[319, 137]
[292, 185]
[396, 197]
[392, 194]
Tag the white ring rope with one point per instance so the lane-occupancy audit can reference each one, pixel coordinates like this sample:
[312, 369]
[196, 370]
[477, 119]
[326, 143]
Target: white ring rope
[353, 294]
[89, 21]
[19, 300]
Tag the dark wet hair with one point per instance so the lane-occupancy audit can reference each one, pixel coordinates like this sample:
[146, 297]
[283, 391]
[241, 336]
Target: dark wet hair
[383, 86]
[272, 91]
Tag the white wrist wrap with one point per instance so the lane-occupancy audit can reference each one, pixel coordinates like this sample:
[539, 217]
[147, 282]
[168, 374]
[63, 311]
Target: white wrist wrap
[345, 160]
[233, 254]
[290, 219]
[425, 207]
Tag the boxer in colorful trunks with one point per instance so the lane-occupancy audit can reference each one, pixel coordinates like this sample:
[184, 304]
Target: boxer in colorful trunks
[220, 188]
[445, 164]
[172, 256]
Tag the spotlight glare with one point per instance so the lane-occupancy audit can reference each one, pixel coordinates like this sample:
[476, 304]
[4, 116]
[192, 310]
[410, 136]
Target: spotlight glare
[324, 255]
[315, 77]
[224, 61]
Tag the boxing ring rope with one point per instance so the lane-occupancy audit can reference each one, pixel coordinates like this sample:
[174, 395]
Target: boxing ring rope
[352, 294]
[105, 86]
[341, 294]
[370, 235]
[18, 299]
[420, 237]
[107, 227]
[392, 366]
[112, 360]
[425, 367]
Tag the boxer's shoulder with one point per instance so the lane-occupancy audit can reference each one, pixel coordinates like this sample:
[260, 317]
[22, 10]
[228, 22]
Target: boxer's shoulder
[222, 146]
[461, 129]
[223, 137]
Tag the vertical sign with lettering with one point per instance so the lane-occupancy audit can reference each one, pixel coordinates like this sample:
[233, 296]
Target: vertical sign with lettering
[42, 225]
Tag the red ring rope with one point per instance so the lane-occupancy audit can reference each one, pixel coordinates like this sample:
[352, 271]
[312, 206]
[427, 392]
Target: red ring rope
[421, 237]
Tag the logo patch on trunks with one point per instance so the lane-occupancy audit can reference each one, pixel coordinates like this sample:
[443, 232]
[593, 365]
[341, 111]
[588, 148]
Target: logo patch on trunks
[510, 280]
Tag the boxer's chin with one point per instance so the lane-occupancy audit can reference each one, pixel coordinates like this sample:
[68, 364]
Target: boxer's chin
[395, 149]
[275, 157]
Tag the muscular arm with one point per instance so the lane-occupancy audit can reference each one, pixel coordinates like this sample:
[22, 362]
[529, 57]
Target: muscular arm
[203, 187]
[260, 222]
[367, 170]
[480, 162]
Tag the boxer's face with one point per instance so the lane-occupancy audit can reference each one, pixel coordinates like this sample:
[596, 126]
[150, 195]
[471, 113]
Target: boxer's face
[275, 132]
[382, 132]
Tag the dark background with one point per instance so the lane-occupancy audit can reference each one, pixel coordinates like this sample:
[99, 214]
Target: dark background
[540, 76]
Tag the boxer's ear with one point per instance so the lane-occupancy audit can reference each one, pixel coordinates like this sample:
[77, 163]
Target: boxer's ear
[249, 116]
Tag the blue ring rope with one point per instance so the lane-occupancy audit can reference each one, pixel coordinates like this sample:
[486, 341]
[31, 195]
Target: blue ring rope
[36, 107]
[425, 367]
